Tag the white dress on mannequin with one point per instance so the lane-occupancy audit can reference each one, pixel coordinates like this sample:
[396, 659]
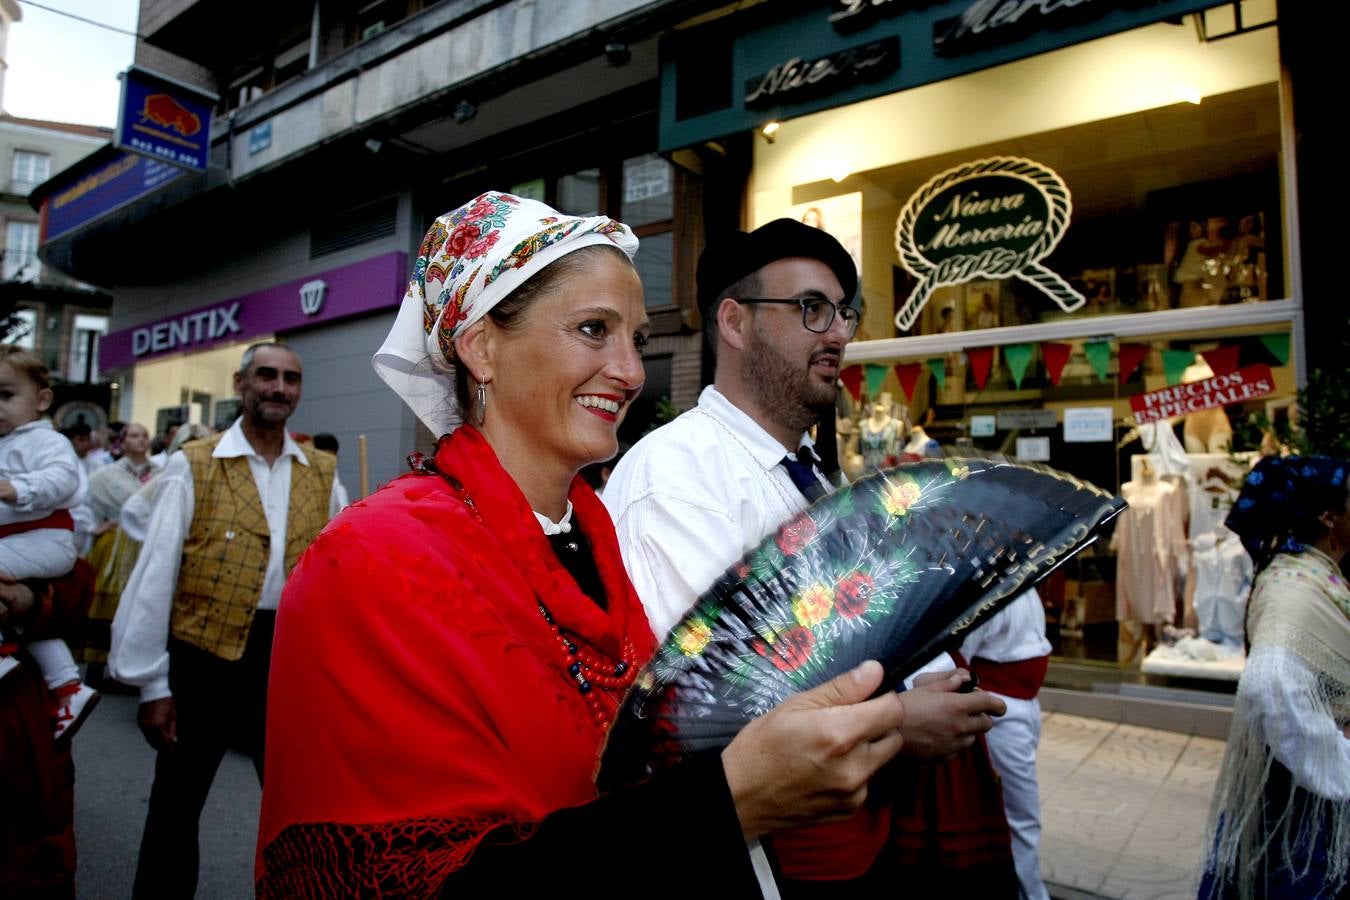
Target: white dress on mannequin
[1150, 543]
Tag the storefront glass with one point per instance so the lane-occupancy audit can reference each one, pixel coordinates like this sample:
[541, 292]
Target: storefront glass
[1170, 268]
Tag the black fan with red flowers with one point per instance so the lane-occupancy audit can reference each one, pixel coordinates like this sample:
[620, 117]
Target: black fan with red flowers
[897, 567]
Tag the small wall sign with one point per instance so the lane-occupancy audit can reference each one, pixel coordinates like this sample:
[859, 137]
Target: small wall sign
[991, 218]
[982, 426]
[1033, 449]
[1087, 424]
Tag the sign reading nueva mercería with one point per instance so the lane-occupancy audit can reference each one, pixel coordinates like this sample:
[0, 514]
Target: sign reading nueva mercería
[1221, 390]
[991, 218]
[796, 79]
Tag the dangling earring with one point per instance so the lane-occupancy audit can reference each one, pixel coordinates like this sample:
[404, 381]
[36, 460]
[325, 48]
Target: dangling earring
[482, 404]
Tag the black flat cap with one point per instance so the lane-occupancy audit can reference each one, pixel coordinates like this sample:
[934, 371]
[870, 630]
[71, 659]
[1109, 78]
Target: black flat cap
[730, 258]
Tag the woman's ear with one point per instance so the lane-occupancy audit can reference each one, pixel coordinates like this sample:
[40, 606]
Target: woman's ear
[733, 323]
[473, 348]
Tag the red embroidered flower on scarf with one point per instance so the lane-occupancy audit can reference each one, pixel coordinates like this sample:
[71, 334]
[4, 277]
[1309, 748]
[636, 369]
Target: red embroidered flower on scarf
[853, 595]
[482, 246]
[796, 534]
[460, 240]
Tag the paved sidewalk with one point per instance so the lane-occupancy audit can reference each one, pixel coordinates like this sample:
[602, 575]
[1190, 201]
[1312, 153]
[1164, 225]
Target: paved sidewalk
[1123, 808]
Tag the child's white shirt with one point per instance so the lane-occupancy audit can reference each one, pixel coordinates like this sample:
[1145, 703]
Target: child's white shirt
[47, 476]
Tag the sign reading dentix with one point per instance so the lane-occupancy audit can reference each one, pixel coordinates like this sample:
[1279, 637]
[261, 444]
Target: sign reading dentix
[1221, 390]
[164, 119]
[991, 218]
[335, 294]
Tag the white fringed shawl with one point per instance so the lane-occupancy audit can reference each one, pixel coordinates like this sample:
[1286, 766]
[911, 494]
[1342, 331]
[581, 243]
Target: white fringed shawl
[1293, 704]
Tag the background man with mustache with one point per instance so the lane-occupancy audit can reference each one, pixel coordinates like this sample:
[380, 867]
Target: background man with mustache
[230, 517]
[693, 496]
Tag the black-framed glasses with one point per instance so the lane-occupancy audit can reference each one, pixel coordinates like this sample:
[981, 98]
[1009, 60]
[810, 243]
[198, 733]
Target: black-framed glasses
[817, 313]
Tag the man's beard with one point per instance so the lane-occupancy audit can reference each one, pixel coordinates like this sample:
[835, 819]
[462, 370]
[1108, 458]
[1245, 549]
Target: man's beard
[269, 414]
[785, 390]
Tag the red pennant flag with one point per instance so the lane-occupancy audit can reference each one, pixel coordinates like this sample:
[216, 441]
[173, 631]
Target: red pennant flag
[1056, 356]
[852, 379]
[1131, 355]
[981, 358]
[908, 373]
[1223, 360]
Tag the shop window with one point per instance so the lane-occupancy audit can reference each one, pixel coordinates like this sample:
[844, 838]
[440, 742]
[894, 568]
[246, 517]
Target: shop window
[655, 262]
[84, 337]
[22, 329]
[648, 190]
[30, 169]
[1169, 270]
[21, 246]
[579, 193]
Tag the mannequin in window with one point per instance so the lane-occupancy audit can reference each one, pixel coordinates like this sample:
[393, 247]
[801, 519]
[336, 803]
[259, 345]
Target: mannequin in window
[1209, 430]
[919, 443]
[1248, 258]
[879, 436]
[1204, 269]
[1150, 542]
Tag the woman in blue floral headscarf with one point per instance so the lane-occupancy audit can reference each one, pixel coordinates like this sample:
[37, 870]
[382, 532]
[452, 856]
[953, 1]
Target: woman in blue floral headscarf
[1281, 814]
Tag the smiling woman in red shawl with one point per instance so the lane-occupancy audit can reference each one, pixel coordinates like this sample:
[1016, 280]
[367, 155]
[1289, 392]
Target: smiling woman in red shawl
[450, 651]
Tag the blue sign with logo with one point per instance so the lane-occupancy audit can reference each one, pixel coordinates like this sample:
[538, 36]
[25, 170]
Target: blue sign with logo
[123, 178]
[164, 119]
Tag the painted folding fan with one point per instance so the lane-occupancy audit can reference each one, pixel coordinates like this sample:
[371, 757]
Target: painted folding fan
[897, 567]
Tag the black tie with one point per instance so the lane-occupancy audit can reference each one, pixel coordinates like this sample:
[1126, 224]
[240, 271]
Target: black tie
[803, 475]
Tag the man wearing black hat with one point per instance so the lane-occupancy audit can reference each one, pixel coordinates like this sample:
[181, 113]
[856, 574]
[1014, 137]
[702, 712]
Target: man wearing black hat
[693, 496]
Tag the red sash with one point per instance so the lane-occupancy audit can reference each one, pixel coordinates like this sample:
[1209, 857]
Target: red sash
[1021, 679]
[59, 519]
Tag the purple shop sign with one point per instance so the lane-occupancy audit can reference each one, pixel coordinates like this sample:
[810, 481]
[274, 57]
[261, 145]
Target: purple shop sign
[377, 283]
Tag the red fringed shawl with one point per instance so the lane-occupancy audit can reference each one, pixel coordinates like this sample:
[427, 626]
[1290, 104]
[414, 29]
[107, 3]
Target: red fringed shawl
[418, 698]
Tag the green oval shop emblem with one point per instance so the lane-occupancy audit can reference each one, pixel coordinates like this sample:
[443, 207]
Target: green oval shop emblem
[991, 218]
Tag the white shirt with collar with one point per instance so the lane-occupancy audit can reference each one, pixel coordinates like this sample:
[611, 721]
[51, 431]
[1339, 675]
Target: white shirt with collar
[140, 630]
[692, 497]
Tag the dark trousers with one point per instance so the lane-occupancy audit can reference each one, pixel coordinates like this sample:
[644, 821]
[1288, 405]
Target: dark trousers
[221, 706]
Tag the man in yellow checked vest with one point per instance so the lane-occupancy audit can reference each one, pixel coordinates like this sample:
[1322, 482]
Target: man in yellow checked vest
[231, 515]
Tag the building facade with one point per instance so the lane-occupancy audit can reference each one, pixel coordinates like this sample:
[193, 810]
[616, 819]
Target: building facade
[1060, 212]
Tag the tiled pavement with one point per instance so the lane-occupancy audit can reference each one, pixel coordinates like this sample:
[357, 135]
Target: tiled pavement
[1123, 808]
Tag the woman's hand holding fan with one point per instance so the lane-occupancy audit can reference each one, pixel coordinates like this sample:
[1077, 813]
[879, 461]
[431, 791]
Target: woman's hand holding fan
[897, 568]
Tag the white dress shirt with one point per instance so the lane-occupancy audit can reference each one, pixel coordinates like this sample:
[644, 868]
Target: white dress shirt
[692, 497]
[140, 630]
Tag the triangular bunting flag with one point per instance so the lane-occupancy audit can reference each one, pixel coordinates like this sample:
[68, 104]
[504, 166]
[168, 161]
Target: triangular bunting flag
[1056, 356]
[1099, 355]
[1278, 345]
[876, 376]
[1019, 357]
[981, 358]
[1131, 355]
[852, 379]
[908, 373]
[1175, 363]
[938, 367]
[1223, 360]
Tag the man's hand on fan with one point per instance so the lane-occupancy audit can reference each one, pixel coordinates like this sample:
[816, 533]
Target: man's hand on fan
[810, 759]
[941, 720]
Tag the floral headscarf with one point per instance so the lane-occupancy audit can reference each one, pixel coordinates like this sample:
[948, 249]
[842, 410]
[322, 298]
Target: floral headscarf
[1281, 501]
[471, 260]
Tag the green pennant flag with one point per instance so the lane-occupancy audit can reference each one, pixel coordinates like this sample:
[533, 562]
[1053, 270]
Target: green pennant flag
[1018, 357]
[1278, 345]
[938, 367]
[1099, 354]
[1175, 363]
[876, 375]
